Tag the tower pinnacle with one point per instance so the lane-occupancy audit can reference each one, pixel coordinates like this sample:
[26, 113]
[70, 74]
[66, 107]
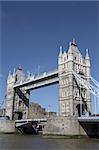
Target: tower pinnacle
[60, 53]
[14, 72]
[74, 42]
[9, 74]
[87, 54]
[20, 67]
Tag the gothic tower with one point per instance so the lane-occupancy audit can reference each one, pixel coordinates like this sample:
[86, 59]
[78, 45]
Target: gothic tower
[14, 104]
[10, 94]
[70, 93]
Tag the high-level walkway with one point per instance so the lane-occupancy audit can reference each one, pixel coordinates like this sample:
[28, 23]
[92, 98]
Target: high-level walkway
[89, 119]
[39, 81]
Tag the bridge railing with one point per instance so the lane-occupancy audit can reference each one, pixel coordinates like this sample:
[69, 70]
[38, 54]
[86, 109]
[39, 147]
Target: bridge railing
[45, 74]
[33, 77]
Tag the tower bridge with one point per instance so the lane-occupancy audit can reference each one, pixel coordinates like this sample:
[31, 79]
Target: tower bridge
[73, 77]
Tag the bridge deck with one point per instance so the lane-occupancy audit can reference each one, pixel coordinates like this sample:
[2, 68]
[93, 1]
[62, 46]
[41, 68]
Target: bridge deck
[31, 120]
[42, 77]
[88, 119]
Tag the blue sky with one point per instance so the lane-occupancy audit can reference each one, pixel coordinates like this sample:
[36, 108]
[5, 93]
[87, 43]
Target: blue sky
[31, 33]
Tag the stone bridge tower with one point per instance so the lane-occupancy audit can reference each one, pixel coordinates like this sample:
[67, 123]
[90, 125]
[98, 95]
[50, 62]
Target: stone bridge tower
[15, 106]
[70, 93]
[10, 94]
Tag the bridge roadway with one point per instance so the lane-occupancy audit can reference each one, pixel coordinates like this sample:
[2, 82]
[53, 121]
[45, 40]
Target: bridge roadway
[90, 124]
[25, 121]
[40, 81]
[80, 119]
[88, 119]
[30, 126]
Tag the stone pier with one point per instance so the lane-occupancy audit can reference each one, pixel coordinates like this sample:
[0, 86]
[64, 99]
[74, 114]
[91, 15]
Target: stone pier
[7, 126]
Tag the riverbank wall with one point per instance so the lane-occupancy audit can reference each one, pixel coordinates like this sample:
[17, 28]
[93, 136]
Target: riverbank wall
[7, 126]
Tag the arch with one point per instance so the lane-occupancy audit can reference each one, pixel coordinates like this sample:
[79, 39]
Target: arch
[17, 115]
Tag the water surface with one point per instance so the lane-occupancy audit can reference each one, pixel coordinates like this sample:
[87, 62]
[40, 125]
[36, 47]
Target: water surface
[31, 142]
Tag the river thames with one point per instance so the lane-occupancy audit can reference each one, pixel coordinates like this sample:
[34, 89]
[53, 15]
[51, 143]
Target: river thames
[35, 142]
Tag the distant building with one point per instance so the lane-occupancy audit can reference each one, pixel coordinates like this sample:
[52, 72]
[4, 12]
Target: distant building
[36, 111]
[51, 114]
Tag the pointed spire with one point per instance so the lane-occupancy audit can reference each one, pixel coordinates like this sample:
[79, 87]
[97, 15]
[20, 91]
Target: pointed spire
[65, 53]
[9, 74]
[13, 71]
[28, 73]
[70, 48]
[87, 54]
[69, 44]
[60, 53]
[20, 67]
[74, 42]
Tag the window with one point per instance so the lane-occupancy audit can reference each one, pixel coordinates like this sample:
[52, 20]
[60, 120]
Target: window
[19, 103]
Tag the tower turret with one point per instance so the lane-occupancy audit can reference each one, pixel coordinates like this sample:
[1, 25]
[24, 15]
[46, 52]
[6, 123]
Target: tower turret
[9, 76]
[10, 95]
[87, 72]
[87, 62]
[70, 57]
[87, 58]
[74, 42]
[60, 55]
[14, 73]
[19, 74]
[60, 52]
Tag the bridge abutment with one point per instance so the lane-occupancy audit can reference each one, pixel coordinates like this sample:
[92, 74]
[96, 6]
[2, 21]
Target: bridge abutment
[63, 125]
[7, 126]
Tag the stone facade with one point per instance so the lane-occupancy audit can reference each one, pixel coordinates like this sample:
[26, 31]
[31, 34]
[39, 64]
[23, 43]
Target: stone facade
[7, 126]
[36, 111]
[51, 114]
[60, 125]
[70, 93]
[2, 111]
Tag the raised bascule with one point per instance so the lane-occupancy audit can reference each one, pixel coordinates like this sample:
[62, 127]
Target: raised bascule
[73, 78]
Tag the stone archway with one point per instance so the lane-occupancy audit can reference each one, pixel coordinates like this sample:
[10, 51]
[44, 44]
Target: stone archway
[17, 115]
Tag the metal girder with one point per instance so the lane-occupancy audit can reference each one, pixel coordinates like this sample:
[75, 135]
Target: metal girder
[22, 96]
[87, 84]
